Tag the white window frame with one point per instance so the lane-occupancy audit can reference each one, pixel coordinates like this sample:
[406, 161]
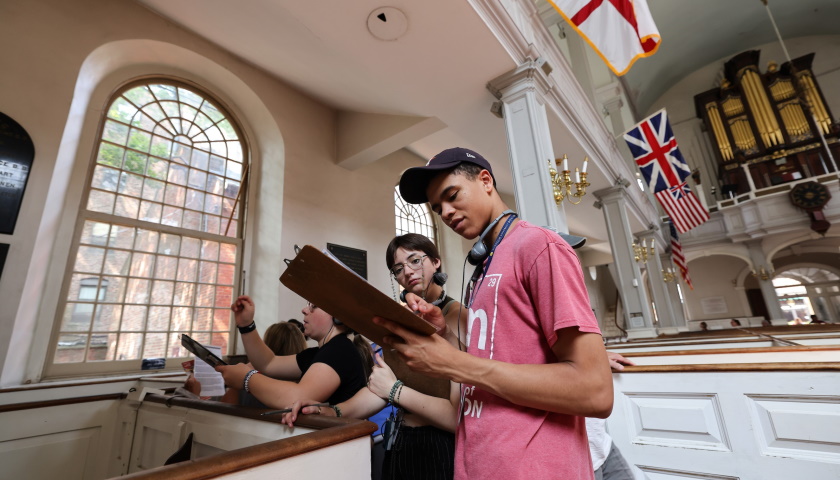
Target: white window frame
[58, 370]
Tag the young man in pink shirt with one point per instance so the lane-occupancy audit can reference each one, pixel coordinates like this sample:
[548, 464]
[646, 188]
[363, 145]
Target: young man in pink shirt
[535, 363]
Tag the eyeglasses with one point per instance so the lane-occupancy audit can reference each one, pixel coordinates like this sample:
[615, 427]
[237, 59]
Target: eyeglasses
[311, 306]
[414, 263]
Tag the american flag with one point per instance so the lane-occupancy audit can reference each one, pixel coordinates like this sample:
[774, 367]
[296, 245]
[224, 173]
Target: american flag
[655, 151]
[678, 257]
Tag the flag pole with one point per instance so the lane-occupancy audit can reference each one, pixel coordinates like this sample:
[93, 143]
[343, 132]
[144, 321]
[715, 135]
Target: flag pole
[796, 82]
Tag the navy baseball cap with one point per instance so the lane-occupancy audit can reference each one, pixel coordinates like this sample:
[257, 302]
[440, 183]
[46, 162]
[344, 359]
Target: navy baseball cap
[414, 181]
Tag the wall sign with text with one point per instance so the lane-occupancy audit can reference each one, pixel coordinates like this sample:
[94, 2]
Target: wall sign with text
[16, 154]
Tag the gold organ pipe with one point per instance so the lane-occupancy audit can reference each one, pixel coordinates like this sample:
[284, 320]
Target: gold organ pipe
[757, 98]
[769, 122]
[720, 132]
[817, 107]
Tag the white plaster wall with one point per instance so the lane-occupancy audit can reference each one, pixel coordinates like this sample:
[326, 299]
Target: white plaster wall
[713, 276]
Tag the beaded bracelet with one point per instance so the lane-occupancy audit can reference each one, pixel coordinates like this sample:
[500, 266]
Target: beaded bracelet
[247, 328]
[394, 388]
[248, 379]
[397, 396]
[337, 410]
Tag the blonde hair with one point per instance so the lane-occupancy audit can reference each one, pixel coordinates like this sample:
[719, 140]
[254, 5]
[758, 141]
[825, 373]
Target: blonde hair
[285, 338]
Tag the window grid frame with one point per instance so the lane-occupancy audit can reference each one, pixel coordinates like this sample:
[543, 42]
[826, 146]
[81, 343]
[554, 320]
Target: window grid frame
[54, 369]
[424, 218]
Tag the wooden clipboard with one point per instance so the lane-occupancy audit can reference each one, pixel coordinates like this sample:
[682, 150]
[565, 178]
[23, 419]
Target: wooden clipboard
[340, 292]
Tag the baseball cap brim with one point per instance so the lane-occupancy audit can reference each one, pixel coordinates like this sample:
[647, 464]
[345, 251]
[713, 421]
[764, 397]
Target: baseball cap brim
[414, 181]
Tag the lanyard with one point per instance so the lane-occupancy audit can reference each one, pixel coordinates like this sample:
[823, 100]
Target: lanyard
[489, 260]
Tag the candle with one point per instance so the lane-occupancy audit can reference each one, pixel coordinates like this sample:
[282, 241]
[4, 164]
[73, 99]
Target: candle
[577, 175]
[585, 163]
[565, 164]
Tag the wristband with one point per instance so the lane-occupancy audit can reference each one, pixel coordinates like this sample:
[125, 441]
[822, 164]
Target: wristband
[337, 410]
[394, 388]
[247, 328]
[247, 380]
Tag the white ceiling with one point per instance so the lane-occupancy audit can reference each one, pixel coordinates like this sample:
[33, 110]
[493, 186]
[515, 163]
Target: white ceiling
[439, 68]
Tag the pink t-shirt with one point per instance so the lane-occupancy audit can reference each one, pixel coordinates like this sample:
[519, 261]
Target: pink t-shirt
[533, 289]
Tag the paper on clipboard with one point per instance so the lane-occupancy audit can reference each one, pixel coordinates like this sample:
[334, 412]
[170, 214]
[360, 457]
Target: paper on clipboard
[342, 293]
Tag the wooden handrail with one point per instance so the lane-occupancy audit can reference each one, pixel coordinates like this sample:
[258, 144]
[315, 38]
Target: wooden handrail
[13, 407]
[332, 432]
[95, 381]
[736, 367]
[771, 337]
[718, 351]
[653, 342]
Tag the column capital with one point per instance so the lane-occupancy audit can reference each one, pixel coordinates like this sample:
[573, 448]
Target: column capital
[611, 194]
[530, 74]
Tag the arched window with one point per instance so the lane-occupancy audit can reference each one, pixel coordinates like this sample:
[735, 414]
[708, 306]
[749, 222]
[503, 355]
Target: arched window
[158, 241]
[413, 218]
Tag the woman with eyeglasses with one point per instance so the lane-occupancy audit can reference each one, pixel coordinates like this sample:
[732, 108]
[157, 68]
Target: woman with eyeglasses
[422, 445]
[331, 372]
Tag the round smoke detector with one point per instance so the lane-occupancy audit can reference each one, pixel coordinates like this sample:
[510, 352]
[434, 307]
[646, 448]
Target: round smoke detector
[387, 23]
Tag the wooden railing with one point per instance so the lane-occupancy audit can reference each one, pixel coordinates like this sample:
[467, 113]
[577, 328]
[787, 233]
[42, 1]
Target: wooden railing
[331, 431]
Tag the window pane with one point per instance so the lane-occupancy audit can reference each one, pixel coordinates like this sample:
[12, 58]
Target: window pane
[95, 233]
[158, 319]
[89, 259]
[155, 345]
[117, 262]
[204, 296]
[107, 318]
[166, 156]
[102, 202]
[105, 178]
[141, 265]
[129, 346]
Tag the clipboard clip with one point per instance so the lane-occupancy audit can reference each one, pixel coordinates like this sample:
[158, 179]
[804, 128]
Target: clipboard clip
[297, 251]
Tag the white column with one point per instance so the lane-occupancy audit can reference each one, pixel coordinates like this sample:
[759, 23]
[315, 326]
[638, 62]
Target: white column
[613, 108]
[749, 176]
[677, 307]
[658, 289]
[768, 292]
[627, 274]
[522, 92]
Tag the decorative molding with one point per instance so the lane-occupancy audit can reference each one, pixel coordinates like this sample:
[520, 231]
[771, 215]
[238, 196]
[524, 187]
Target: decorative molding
[658, 473]
[680, 420]
[801, 427]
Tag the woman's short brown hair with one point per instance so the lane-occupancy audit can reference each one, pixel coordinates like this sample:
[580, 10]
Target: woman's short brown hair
[411, 241]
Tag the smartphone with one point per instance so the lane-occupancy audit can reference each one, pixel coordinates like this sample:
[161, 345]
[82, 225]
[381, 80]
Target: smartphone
[199, 351]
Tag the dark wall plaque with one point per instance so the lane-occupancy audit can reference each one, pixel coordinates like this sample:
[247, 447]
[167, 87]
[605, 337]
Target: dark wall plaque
[4, 250]
[16, 154]
[352, 257]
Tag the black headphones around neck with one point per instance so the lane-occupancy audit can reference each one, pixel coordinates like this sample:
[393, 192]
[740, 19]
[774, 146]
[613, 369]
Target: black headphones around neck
[479, 251]
[439, 278]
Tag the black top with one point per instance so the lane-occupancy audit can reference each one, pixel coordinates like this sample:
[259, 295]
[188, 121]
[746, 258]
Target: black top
[342, 356]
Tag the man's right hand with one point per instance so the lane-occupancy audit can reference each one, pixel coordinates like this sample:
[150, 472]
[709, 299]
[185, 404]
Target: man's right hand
[243, 311]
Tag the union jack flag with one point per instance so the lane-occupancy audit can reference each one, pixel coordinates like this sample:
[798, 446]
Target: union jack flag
[655, 151]
[678, 257]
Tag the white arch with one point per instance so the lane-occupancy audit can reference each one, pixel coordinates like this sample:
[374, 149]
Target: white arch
[796, 238]
[737, 251]
[103, 71]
